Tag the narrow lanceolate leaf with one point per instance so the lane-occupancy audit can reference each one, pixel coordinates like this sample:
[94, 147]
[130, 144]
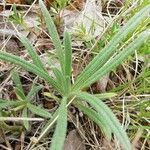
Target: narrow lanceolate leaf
[110, 118]
[16, 80]
[39, 111]
[118, 59]
[61, 127]
[7, 103]
[105, 95]
[31, 51]
[19, 94]
[53, 33]
[29, 67]
[107, 52]
[97, 118]
[25, 115]
[62, 80]
[34, 90]
[59, 77]
[49, 124]
[68, 54]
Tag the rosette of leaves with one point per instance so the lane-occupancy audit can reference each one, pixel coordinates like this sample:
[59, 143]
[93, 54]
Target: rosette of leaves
[108, 59]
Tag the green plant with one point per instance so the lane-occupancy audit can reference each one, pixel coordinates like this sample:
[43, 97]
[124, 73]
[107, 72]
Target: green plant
[62, 3]
[108, 35]
[108, 59]
[16, 17]
[24, 103]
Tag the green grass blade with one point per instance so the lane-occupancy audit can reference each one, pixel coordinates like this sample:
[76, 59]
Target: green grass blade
[53, 33]
[68, 54]
[118, 59]
[97, 118]
[29, 67]
[110, 118]
[39, 111]
[61, 127]
[25, 115]
[106, 53]
[31, 51]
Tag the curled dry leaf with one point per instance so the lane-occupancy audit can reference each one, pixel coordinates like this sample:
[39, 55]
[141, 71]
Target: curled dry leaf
[102, 84]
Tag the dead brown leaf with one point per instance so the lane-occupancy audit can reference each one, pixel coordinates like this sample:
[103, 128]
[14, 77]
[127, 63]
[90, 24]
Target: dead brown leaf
[74, 141]
[48, 104]
[101, 85]
[1, 8]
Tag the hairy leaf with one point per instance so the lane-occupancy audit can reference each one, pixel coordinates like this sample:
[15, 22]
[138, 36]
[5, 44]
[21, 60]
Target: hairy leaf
[97, 118]
[68, 54]
[107, 52]
[110, 118]
[39, 111]
[61, 127]
[16, 80]
[53, 33]
[25, 115]
[34, 90]
[32, 51]
[118, 59]
[29, 67]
